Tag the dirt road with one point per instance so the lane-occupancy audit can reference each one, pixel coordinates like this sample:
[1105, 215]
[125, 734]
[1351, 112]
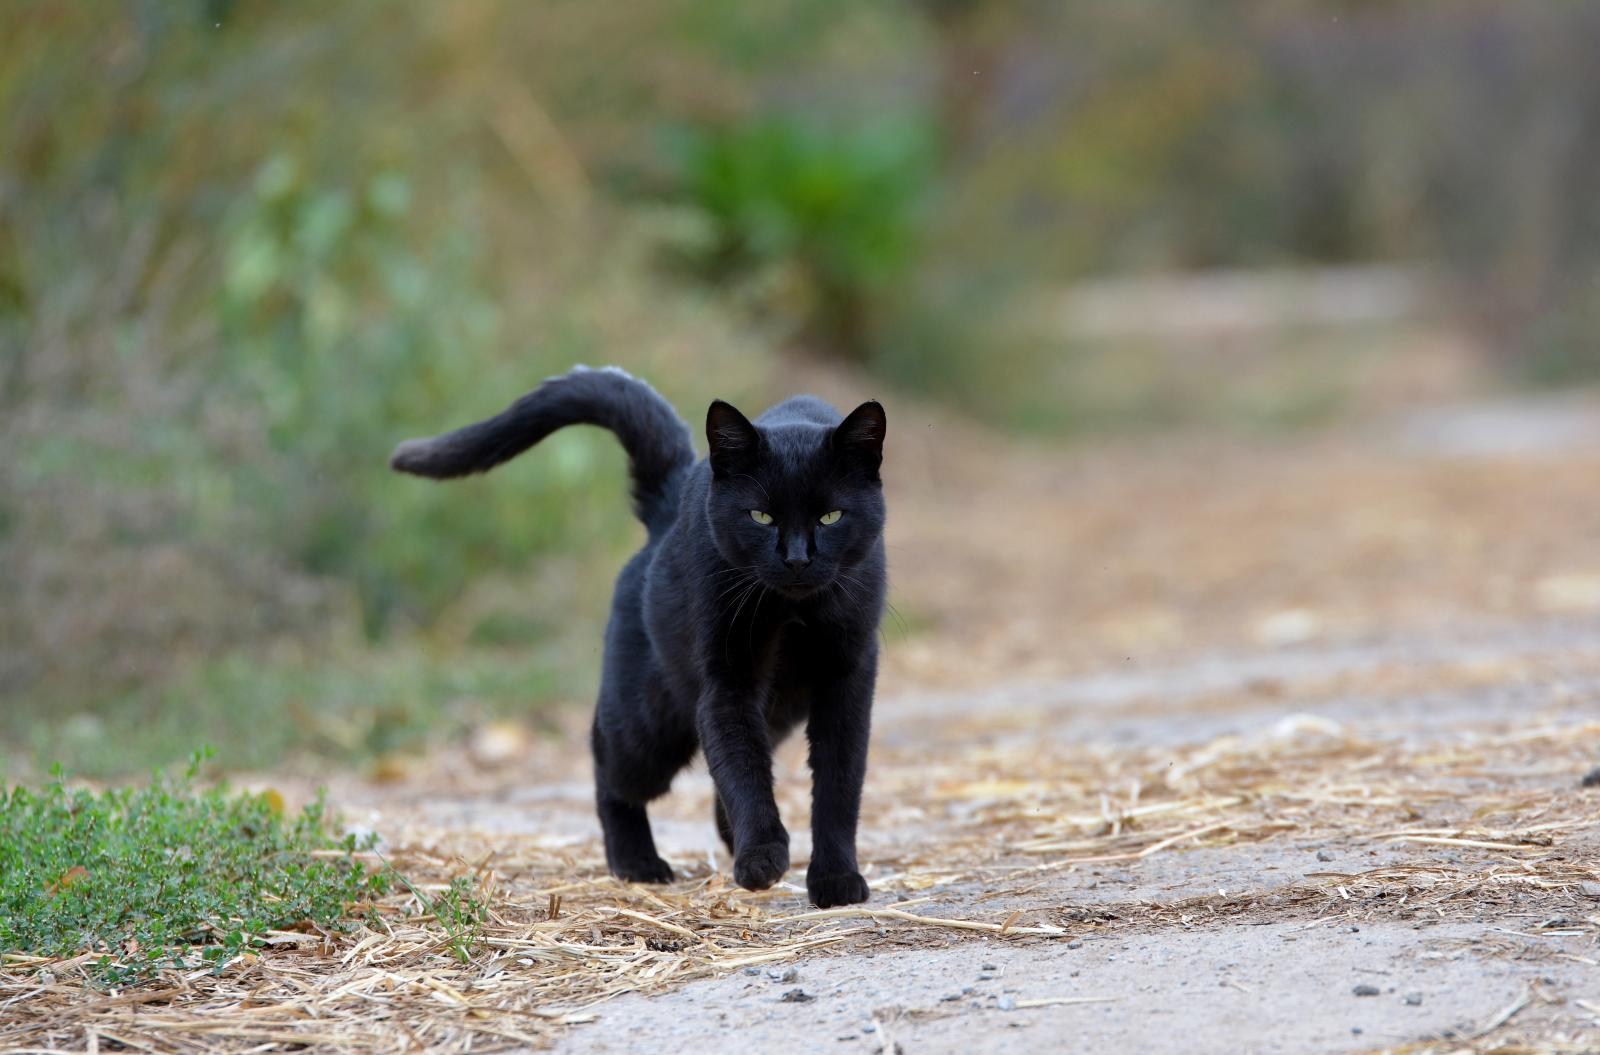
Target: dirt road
[1203, 865]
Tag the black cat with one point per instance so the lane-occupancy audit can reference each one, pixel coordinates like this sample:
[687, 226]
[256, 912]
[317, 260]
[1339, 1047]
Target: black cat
[753, 607]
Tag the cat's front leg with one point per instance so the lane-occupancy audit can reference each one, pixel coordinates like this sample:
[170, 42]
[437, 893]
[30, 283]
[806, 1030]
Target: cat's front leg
[733, 734]
[838, 730]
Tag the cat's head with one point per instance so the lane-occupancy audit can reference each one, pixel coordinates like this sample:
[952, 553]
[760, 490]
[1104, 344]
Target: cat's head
[797, 504]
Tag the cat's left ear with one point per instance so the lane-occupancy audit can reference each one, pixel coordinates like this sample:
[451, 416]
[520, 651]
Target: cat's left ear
[733, 440]
[859, 436]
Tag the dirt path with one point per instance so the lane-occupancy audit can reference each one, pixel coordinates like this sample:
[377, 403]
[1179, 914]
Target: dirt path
[1221, 871]
[1273, 883]
[1277, 744]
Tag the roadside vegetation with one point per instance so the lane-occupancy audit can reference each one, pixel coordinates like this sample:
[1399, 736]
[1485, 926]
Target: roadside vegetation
[176, 874]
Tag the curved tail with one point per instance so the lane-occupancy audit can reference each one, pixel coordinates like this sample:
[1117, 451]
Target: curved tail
[656, 439]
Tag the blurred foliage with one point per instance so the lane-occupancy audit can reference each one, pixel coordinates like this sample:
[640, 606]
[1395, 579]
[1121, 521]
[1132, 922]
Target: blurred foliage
[246, 246]
[238, 263]
[826, 217]
[1158, 138]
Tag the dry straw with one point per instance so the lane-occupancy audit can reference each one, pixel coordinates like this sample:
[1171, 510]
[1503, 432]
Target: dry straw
[1000, 827]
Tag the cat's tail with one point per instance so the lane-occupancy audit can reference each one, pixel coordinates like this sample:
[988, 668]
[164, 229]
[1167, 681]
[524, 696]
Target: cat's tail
[656, 439]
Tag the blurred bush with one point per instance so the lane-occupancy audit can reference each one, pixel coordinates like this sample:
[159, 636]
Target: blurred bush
[245, 246]
[244, 249]
[1136, 139]
[823, 221]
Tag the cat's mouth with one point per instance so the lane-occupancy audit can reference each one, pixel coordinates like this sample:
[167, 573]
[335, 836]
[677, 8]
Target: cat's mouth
[799, 587]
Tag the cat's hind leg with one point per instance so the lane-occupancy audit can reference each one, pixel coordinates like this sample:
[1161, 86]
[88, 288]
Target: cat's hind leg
[630, 847]
[637, 752]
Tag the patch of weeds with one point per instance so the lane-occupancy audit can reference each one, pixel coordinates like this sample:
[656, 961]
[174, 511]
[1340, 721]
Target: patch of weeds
[168, 875]
[458, 911]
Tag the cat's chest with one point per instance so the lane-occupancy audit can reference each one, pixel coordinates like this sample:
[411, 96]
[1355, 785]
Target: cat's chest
[783, 648]
[789, 675]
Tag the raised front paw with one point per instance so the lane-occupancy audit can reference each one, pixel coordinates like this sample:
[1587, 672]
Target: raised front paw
[841, 888]
[643, 870]
[760, 866]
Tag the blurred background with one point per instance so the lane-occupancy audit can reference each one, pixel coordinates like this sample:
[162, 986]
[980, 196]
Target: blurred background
[247, 246]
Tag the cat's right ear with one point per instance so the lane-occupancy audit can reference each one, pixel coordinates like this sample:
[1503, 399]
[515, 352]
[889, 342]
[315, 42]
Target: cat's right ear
[733, 440]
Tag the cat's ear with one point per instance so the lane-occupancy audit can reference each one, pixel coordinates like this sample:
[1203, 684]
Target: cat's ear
[859, 437]
[733, 440]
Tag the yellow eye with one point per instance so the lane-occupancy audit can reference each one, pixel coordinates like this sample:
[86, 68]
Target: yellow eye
[759, 517]
[833, 517]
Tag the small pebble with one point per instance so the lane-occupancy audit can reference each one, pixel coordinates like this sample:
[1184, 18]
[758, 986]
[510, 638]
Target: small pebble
[986, 977]
[989, 967]
[1074, 944]
[1355, 1029]
[1323, 855]
[796, 996]
[1355, 930]
[1366, 990]
[1007, 1003]
[753, 972]
[870, 1027]
[1414, 999]
[788, 974]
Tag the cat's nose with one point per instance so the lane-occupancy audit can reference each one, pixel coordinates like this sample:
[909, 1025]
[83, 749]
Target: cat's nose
[798, 563]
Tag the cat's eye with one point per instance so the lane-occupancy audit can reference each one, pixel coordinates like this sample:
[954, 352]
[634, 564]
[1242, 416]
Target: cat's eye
[759, 517]
[833, 517]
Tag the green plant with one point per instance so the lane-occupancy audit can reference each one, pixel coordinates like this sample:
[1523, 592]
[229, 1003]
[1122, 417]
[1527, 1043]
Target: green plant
[169, 874]
[826, 215]
[458, 911]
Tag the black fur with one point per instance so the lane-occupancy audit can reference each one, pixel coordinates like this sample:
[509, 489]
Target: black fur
[725, 633]
[656, 439]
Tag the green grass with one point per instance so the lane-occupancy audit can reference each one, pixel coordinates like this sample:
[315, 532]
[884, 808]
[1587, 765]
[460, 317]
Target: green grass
[172, 874]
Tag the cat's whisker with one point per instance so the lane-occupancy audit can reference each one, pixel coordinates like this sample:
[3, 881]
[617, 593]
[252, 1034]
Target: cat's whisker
[743, 599]
[844, 580]
[734, 620]
[758, 483]
[749, 637]
[745, 581]
[888, 606]
[736, 573]
[905, 631]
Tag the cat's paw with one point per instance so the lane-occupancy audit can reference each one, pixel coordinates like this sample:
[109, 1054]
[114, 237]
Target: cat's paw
[761, 866]
[841, 888]
[643, 870]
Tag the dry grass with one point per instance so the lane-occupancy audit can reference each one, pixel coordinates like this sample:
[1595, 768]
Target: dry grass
[561, 939]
